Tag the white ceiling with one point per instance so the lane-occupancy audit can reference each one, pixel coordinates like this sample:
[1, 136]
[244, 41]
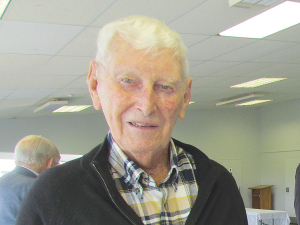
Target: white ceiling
[46, 47]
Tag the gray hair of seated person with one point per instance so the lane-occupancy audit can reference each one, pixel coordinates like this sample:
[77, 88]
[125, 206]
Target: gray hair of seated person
[35, 150]
[143, 33]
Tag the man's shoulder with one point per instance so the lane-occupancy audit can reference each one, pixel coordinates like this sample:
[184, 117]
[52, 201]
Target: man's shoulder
[6, 180]
[15, 182]
[17, 173]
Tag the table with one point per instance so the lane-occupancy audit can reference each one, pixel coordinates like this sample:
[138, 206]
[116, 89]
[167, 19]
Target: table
[267, 217]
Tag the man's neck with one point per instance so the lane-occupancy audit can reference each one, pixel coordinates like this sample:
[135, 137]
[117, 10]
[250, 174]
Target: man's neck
[35, 168]
[157, 165]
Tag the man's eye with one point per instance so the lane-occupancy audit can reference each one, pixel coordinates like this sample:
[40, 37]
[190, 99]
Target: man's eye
[127, 80]
[165, 87]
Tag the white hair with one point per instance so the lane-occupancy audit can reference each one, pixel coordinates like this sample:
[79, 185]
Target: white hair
[143, 33]
[35, 150]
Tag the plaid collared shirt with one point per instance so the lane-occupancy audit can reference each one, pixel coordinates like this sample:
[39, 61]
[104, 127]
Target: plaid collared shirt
[167, 204]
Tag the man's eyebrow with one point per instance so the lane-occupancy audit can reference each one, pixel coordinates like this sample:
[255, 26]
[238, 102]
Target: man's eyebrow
[125, 70]
[134, 71]
[170, 80]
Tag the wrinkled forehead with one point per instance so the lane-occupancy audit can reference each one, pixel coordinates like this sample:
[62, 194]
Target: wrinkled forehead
[122, 55]
[118, 44]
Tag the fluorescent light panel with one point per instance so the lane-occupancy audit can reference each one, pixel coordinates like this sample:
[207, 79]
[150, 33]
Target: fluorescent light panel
[74, 108]
[253, 102]
[239, 99]
[280, 17]
[257, 82]
[50, 106]
[3, 6]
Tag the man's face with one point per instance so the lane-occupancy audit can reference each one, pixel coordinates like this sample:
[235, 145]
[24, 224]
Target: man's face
[141, 97]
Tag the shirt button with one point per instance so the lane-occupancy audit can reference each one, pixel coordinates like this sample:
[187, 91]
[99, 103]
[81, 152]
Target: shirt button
[166, 205]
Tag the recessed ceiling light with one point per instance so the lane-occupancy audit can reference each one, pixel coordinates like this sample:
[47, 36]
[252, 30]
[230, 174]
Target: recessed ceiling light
[280, 17]
[240, 99]
[75, 108]
[254, 102]
[50, 106]
[257, 82]
[3, 6]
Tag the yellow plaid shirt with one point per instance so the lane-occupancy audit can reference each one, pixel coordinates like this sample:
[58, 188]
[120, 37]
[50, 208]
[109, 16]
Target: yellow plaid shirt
[167, 204]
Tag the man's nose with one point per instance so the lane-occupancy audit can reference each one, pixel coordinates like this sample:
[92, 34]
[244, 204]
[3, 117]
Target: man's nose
[146, 101]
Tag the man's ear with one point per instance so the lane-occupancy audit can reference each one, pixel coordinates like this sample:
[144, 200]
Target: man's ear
[93, 83]
[187, 98]
[49, 163]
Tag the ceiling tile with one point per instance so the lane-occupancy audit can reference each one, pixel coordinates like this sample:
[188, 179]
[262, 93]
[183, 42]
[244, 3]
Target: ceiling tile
[86, 100]
[31, 94]
[79, 83]
[64, 65]
[216, 46]
[151, 8]
[47, 82]
[295, 61]
[284, 55]
[193, 63]
[210, 67]
[70, 93]
[5, 93]
[255, 50]
[17, 102]
[35, 38]
[14, 67]
[278, 70]
[8, 82]
[192, 39]
[200, 82]
[11, 112]
[243, 69]
[75, 12]
[85, 44]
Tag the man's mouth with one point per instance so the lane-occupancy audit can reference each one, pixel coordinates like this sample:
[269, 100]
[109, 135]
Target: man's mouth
[140, 125]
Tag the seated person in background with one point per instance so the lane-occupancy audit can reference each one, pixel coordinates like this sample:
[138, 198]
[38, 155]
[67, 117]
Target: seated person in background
[139, 174]
[33, 155]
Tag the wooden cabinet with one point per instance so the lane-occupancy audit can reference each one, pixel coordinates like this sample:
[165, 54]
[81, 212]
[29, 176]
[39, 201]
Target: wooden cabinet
[261, 197]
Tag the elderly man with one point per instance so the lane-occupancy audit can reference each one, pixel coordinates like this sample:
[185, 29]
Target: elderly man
[139, 174]
[33, 155]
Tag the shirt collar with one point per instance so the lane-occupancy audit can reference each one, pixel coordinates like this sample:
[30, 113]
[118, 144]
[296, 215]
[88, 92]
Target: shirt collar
[131, 172]
[125, 167]
[36, 173]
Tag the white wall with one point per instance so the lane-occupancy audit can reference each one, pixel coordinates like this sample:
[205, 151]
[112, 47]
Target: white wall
[280, 146]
